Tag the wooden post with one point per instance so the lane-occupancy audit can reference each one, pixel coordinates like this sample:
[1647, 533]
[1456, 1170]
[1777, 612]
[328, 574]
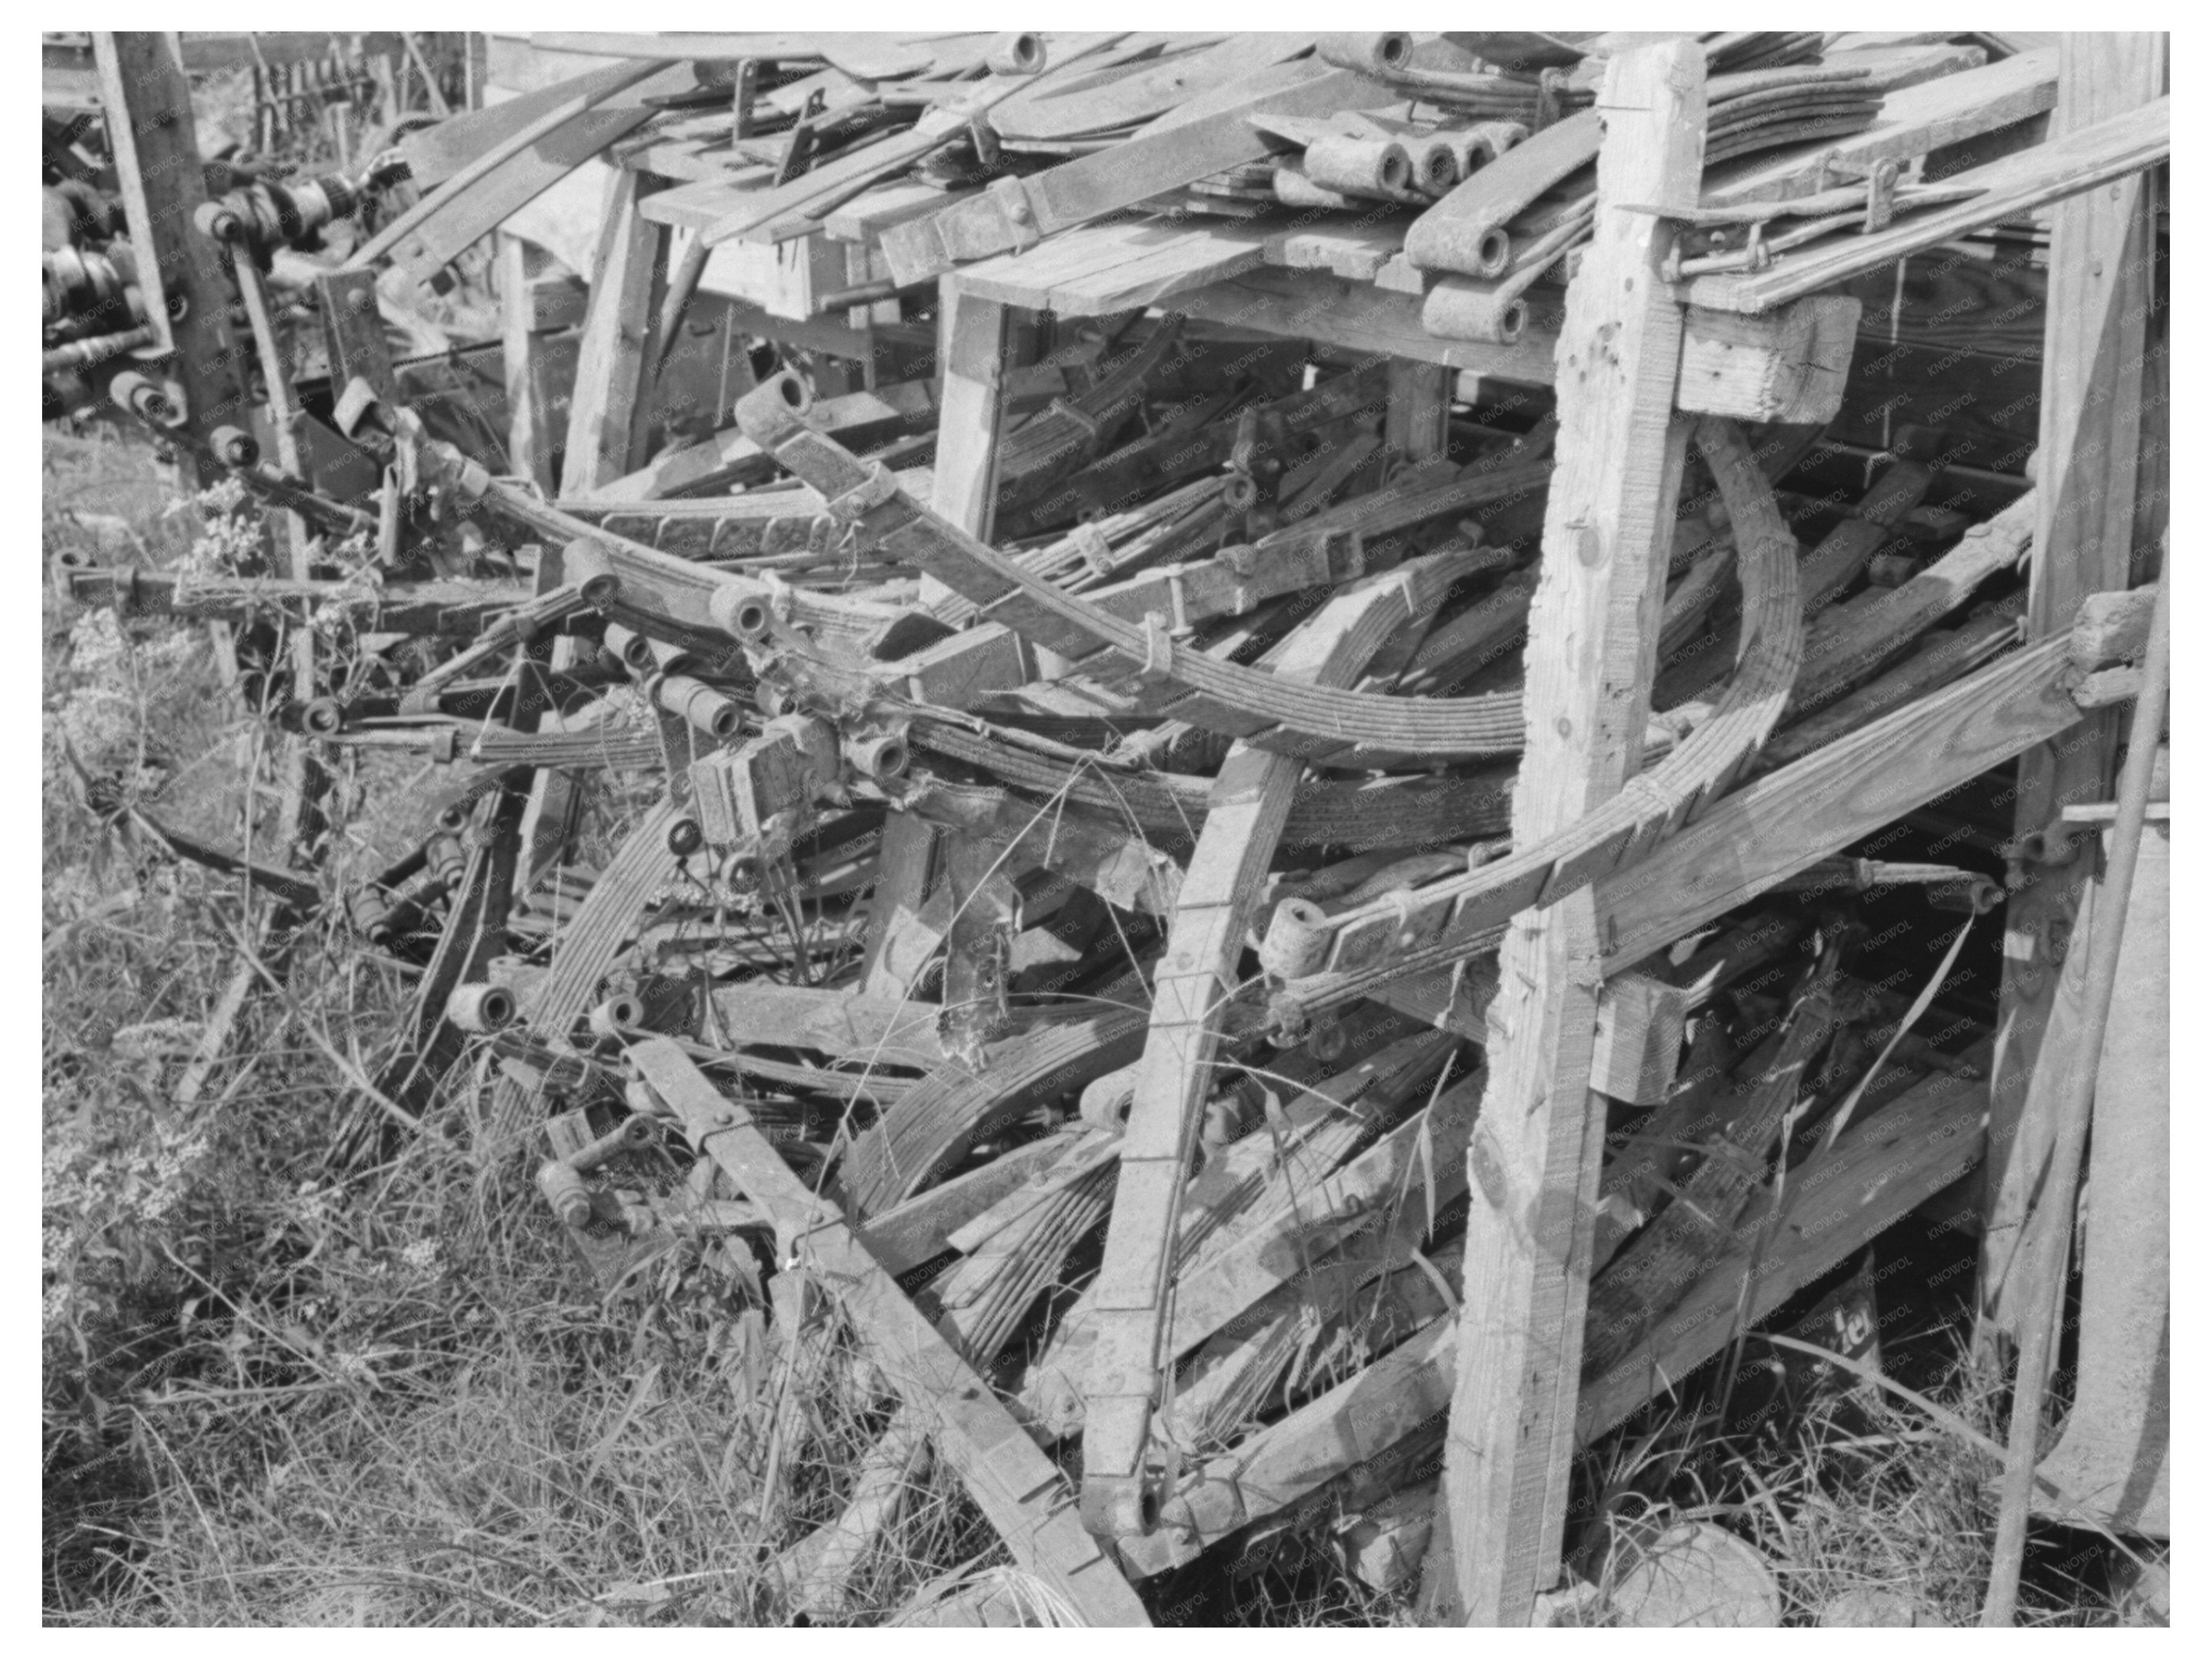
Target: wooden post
[300, 823]
[611, 368]
[2099, 297]
[1593, 637]
[439, 107]
[971, 361]
[528, 452]
[1419, 405]
[601, 446]
[157, 163]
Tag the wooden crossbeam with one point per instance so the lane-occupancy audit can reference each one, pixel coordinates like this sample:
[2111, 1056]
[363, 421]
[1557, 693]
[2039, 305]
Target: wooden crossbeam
[1359, 317]
[1791, 818]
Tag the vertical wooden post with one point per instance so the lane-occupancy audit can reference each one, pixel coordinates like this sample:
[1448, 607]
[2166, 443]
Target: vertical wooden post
[388, 107]
[439, 107]
[600, 445]
[875, 371]
[473, 45]
[157, 164]
[1592, 636]
[528, 452]
[148, 99]
[1414, 420]
[971, 363]
[611, 369]
[300, 823]
[2098, 299]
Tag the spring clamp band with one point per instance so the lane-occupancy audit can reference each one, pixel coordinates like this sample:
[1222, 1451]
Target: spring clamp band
[872, 491]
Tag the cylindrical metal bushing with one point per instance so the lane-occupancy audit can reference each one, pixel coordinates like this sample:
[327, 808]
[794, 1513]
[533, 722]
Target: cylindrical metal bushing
[1298, 939]
[481, 1008]
[1359, 167]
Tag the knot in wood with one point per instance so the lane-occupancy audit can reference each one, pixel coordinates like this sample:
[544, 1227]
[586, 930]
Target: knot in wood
[1484, 1170]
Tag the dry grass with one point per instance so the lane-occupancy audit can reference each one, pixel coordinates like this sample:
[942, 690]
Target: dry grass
[1854, 1492]
[460, 1437]
[271, 1396]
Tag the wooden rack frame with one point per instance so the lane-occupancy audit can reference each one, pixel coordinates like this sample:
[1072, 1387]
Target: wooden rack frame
[1632, 361]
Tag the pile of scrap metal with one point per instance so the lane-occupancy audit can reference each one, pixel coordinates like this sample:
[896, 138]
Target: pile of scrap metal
[898, 920]
[1069, 951]
[92, 310]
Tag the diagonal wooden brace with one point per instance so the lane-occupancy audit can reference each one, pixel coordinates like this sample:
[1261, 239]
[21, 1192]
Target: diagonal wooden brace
[1021, 1492]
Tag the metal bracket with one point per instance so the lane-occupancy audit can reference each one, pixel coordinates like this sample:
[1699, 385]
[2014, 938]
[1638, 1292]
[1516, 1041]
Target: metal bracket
[879, 487]
[743, 86]
[1880, 178]
[1013, 199]
[985, 139]
[799, 152]
[1159, 650]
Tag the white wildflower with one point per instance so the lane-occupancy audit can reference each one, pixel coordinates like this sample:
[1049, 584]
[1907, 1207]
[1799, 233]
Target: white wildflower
[350, 604]
[230, 531]
[158, 1039]
[97, 644]
[225, 495]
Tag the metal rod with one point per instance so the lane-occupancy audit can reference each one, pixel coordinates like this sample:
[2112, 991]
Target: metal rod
[2047, 1279]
